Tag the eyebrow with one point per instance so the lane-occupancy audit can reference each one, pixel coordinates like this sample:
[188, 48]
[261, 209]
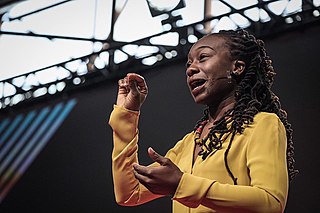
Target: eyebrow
[205, 46]
[202, 47]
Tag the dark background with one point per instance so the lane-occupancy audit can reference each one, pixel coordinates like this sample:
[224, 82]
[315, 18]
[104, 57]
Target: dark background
[73, 172]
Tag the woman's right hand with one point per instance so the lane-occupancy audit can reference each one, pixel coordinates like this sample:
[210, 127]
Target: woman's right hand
[132, 92]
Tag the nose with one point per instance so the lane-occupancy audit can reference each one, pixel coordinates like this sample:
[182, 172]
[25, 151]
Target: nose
[191, 70]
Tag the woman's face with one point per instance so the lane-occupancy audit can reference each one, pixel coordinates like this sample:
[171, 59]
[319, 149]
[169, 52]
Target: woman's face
[207, 71]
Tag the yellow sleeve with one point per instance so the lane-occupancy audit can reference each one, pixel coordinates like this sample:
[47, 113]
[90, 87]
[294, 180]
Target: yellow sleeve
[128, 191]
[267, 169]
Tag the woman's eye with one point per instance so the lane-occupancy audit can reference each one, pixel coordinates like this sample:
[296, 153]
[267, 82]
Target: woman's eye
[202, 57]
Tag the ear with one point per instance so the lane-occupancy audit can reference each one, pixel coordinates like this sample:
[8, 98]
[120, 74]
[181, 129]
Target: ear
[238, 67]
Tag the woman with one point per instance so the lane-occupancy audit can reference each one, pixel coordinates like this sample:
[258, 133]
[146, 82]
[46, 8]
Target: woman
[239, 158]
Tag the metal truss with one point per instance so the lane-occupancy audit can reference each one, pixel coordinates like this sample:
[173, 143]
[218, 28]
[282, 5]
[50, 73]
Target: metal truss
[111, 69]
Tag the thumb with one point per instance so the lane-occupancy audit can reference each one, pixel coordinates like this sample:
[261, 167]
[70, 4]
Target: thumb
[156, 157]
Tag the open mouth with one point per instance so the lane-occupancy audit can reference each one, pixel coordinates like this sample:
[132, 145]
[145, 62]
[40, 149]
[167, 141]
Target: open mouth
[197, 83]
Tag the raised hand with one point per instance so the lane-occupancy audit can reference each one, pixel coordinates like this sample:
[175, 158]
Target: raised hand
[132, 91]
[163, 179]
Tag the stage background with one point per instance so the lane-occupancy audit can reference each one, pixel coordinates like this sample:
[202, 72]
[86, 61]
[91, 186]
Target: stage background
[73, 172]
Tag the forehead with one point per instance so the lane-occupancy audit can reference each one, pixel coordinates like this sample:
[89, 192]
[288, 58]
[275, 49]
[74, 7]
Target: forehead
[215, 42]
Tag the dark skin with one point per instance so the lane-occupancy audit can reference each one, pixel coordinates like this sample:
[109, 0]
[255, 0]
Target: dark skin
[208, 65]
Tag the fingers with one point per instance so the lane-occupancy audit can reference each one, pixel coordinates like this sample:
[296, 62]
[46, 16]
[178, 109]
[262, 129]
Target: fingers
[142, 170]
[137, 82]
[123, 86]
[156, 157]
[143, 174]
[133, 82]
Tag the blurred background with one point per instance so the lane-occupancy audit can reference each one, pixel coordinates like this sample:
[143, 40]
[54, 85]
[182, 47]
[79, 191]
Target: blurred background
[60, 63]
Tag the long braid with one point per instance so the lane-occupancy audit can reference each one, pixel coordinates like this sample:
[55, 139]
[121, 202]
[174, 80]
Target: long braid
[253, 95]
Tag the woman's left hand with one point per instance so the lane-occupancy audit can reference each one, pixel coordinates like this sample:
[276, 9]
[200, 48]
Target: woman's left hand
[163, 179]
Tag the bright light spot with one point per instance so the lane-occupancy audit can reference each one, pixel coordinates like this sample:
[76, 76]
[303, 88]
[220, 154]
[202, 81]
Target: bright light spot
[166, 27]
[52, 89]
[316, 3]
[278, 7]
[253, 14]
[199, 27]
[193, 12]
[63, 73]
[264, 17]
[61, 86]
[168, 55]
[150, 60]
[73, 65]
[289, 20]
[159, 57]
[180, 23]
[256, 14]
[141, 23]
[18, 81]
[219, 8]
[17, 98]
[48, 75]
[31, 80]
[119, 56]
[40, 92]
[76, 81]
[293, 7]
[225, 23]
[163, 5]
[82, 69]
[98, 62]
[174, 53]
[26, 87]
[192, 39]
[7, 101]
[105, 57]
[144, 51]
[240, 20]
[131, 49]
[316, 13]
[170, 39]
[213, 23]
[97, 46]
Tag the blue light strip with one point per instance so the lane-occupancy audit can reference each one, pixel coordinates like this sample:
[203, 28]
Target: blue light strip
[3, 125]
[15, 135]
[10, 129]
[23, 139]
[31, 143]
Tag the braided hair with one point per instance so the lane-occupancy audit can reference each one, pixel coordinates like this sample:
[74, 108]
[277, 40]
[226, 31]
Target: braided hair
[253, 94]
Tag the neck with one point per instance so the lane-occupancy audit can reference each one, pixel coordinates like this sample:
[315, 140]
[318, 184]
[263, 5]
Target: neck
[217, 111]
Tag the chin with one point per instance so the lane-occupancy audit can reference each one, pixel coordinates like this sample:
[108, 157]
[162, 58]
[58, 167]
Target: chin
[200, 100]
